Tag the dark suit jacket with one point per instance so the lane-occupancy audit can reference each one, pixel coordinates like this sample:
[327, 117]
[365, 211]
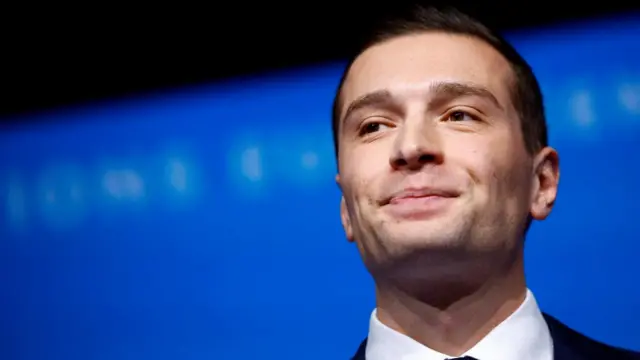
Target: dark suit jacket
[567, 345]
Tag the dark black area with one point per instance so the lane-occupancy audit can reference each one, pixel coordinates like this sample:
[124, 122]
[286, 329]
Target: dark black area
[58, 57]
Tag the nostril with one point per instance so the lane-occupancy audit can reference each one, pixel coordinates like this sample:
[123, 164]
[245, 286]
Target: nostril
[400, 162]
[426, 158]
[414, 161]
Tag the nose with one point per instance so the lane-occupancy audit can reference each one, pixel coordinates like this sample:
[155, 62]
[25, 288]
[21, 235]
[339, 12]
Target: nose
[416, 146]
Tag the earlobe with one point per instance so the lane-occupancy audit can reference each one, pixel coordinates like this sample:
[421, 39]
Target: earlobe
[344, 214]
[545, 185]
[346, 221]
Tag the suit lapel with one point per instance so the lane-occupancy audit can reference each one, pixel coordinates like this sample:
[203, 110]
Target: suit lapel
[361, 351]
[563, 347]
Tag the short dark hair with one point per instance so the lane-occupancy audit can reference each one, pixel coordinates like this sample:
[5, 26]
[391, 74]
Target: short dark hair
[525, 90]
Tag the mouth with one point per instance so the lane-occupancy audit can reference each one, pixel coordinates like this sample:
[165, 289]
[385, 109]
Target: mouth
[416, 194]
[416, 204]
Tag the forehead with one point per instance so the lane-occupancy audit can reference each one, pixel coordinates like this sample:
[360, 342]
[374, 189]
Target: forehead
[411, 63]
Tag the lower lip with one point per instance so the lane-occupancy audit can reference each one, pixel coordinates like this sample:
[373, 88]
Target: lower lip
[417, 207]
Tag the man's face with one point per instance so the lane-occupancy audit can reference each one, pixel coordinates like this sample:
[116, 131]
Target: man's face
[431, 154]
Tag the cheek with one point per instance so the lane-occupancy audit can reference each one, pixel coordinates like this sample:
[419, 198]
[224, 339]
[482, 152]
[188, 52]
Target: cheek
[512, 168]
[363, 165]
[497, 166]
[361, 176]
[472, 159]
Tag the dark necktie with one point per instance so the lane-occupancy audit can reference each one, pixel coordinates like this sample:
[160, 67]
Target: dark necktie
[463, 358]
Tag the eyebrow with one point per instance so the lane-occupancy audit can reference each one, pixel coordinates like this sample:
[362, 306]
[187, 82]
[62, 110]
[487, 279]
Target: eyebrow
[376, 98]
[446, 91]
[443, 92]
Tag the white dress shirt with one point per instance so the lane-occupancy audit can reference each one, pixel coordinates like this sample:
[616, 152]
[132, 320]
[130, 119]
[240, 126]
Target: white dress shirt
[524, 335]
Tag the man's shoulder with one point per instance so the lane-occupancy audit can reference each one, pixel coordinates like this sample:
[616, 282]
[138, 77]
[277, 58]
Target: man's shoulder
[568, 344]
[571, 342]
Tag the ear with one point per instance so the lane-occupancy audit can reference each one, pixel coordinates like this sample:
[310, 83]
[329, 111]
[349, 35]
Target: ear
[545, 185]
[344, 215]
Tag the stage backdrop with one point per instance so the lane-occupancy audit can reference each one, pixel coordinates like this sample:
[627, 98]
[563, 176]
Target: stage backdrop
[203, 223]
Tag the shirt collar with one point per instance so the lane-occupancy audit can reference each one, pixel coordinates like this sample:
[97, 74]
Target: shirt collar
[523, 335]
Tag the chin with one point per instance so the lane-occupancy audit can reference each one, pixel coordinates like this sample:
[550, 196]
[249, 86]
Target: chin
[412, 254]
[419, 235]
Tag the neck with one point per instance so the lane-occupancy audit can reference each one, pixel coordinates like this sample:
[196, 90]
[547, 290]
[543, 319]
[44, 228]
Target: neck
[449, 315]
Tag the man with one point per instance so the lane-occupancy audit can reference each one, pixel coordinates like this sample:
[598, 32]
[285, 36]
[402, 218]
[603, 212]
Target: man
[443, 162]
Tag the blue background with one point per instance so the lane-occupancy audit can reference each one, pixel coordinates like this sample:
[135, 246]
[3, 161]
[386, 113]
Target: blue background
[202, 223]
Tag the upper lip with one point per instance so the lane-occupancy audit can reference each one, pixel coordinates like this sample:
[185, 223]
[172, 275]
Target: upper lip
[418, 193]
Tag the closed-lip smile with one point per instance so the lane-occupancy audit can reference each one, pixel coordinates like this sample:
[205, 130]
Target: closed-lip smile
[416, 193]
[418, 203]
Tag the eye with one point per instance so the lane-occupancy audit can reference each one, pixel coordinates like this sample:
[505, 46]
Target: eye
[372, 127]
[459, 116]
